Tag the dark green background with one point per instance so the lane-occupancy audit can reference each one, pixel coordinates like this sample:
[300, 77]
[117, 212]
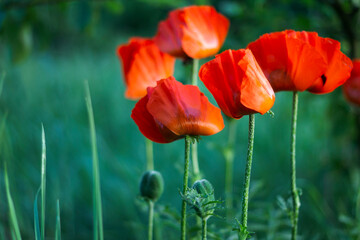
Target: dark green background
[49, 48]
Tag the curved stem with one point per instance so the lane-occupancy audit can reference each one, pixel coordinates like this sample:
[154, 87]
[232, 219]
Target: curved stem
[149, 154]
[194, 148]
[294, 191]
[185, 186]
[151, 220]
[229, 167]
[245, 203]
[194, 75]
[204, 228]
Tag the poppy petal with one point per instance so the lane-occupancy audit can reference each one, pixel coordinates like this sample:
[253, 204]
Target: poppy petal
[256, 91]
[168, 36]
[183, 109]
[352, 86]
[194, 31]
[204, 31]
[143, 65]
[237, 83]
[148, 126]
[288, 60]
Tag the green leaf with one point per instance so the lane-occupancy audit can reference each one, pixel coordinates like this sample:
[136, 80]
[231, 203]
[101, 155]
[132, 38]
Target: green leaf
[43, 182]
[2, 78]
[97, 206]
[36, 217]
[58, 222]
[13, 219]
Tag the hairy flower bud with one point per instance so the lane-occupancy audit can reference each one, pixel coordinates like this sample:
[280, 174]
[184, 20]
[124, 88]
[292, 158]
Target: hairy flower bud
[151, 185]
[203, 199]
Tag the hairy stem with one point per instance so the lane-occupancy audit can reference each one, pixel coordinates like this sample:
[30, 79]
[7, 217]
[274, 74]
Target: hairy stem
[245, 203]
[294, 191]
[204, 228]
[185, 186]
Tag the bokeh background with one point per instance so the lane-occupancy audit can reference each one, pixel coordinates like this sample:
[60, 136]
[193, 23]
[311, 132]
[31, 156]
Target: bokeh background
[48, 48]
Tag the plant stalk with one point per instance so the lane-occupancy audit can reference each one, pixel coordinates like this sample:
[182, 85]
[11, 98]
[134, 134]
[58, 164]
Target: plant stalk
[204, 229]
[229, 168]
[294, 191]
[149, 154]
[151, 219]
[185, 186]
[245, 203]
[194, 146]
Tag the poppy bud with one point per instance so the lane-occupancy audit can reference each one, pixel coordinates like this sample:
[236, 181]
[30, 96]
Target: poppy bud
[151, 185]
[203, 205]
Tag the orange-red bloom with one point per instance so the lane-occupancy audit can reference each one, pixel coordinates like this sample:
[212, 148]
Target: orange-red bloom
[194, 31]
[172, 110]
[237, 83]
[352, 86]
[143, 64]
[298, 61]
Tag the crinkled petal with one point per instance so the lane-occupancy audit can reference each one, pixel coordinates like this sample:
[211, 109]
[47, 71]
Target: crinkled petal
[183, 109]
[148, 126]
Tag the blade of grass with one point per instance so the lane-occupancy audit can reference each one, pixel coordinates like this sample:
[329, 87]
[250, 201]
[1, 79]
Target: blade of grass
[58, 223]
[12, 213]
[2, 82]
[97, 206]
[43, 182]
[36, 217]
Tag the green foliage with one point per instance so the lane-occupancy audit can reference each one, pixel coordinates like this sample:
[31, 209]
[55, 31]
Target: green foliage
[97, 202]
[14, 226]
[47, 52]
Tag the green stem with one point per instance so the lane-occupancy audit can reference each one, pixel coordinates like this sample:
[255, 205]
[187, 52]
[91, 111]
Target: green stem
[185, 186]
[194, 147]
[151, 219]
[149, 154]
[229, 168]
[245, 203]
[43, 182]
[204, 228]
[195, 72]
[294, 191]
[195, 161]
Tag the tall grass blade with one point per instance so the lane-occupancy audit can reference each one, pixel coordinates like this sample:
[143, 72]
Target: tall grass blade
[36, 217]
[12, 213]
[43, 182]
[2, 77]
[58, 222]
[97, 206]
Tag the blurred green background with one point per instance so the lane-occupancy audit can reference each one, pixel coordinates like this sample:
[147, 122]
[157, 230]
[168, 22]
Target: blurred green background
[48, 48]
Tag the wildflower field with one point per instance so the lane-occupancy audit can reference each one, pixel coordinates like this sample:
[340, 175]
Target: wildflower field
[159, 119]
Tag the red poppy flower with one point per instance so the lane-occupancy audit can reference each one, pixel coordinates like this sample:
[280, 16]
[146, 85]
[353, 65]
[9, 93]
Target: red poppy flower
[298, 61]
[172, 110]
[237, 83]
[143, 64]
[195, 31]
[352, 86]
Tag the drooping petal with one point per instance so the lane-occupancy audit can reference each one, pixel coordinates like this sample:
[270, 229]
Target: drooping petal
[143, 65]
[351, 87]
[151, 129]
[183, 109]
[256, 91]
[237, 83]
